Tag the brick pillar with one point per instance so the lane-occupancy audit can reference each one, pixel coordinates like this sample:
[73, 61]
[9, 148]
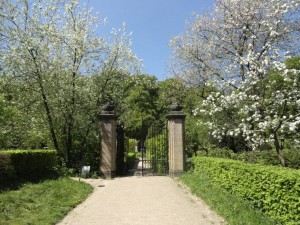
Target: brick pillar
[108, 148]
[176, 140]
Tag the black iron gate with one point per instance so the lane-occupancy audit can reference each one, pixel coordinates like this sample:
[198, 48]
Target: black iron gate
[154, 151]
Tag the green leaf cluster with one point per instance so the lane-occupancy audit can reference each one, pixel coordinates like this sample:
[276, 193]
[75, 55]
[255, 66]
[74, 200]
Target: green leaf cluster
[131, 143]
[140, 105]
[275, 190]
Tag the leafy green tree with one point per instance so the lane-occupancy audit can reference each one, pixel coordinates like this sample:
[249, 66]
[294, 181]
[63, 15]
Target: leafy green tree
[141, 107]
[171, 91]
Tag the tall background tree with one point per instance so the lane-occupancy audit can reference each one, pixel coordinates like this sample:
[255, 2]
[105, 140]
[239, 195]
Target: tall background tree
[140, 105]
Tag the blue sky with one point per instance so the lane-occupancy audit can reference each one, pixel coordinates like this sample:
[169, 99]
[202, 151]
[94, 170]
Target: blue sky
[152, 23]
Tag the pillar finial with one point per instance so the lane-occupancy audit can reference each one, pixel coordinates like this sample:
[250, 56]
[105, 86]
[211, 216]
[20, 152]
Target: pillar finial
[176, 111]
[108, 108]
[176, 107]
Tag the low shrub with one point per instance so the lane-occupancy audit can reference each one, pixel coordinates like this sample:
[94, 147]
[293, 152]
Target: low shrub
[130, 159]
[275, 190]
[292, 156]
[266, 157]
[26, 163]
[217, 152]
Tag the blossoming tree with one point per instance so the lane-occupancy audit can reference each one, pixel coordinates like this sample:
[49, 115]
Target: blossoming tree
[239, 48]
[52, 49]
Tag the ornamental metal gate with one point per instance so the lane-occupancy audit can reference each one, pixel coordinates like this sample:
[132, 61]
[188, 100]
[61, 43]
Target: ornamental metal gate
[154, 151]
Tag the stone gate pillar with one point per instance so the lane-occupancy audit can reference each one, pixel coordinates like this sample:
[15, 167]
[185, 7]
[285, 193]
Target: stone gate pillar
[176, 140]
[108, 141]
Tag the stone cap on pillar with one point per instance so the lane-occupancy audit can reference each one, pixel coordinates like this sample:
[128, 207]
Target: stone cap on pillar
[176, 111]
[108, 111]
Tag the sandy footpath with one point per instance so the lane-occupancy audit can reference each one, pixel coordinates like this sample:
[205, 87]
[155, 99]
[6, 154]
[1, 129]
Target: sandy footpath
[141, 200]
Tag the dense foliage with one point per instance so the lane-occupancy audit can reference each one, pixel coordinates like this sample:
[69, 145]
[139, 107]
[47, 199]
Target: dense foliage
[274, 190]
[140, 108]
[16, 164]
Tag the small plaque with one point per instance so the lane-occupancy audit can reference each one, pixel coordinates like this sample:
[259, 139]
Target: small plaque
[85, 170]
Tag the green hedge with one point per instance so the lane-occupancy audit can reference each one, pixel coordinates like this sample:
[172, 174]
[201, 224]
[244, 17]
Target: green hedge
[26, 163]
[264, 157]
[275, 190]
[7, 170]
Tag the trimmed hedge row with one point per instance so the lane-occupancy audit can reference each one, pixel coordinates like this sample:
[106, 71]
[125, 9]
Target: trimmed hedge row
[264, 157]
[26, 163]
[275, 190]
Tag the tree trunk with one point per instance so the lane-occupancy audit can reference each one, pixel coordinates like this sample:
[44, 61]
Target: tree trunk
[70, 121]
[279, 150]
[69, 140]
[45, 99]
[49, 117]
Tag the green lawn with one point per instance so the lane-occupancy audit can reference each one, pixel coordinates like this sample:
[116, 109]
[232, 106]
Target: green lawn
[233, 209]
[41, 203]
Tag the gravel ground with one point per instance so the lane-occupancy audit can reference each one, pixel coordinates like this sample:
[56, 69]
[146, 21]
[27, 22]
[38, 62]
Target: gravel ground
[151, 200]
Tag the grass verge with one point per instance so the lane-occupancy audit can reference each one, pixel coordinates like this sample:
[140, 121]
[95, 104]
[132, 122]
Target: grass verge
[41, 203]
[233, 209]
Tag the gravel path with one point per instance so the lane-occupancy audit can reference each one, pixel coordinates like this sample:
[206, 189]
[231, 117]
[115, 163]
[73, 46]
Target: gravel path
[143, 201]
